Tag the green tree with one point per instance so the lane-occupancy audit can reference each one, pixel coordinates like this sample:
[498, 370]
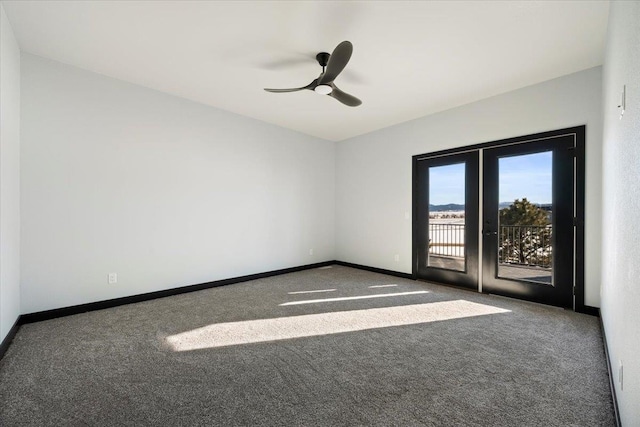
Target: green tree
[523, 212]
[525, 234]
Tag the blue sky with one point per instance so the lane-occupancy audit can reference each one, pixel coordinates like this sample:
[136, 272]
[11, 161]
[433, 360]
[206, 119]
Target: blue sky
[526, 176]
[446, 184]
[520, 176]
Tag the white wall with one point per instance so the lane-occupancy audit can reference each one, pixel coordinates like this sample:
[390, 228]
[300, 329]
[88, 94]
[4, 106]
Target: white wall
[9, 177]
[163, 191]
[373, 171]
[621, 204]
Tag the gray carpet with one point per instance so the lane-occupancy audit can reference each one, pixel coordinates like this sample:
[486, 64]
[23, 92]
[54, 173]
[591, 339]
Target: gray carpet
[236, 355]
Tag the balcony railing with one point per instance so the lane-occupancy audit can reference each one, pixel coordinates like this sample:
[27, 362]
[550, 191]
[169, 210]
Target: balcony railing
[529, 245]
[446, 240]
[525, 245]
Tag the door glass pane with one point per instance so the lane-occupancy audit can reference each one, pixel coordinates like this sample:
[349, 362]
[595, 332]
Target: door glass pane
[525, 231]
[447, 217]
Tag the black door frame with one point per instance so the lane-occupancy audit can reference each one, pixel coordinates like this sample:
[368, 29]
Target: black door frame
[579, 133]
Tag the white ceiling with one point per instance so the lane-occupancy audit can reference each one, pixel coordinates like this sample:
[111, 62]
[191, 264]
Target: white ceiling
[410, 59]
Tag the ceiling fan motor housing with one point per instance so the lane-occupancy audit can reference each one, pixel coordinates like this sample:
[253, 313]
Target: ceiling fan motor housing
[323, 58]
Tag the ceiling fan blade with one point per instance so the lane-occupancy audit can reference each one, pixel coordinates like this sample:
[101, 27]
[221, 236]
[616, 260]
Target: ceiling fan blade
[344, 97]
[285, 90]
[310, 86]
[337, 61]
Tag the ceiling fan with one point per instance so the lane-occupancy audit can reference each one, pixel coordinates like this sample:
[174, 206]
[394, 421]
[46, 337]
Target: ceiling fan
[332, 65]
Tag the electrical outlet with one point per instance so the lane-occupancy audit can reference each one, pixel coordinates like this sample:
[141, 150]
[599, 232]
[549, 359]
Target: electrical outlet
[113, 278]
[396, 257]
[310, 251]
[620, 377]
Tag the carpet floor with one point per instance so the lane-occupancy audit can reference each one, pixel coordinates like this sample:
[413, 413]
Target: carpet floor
[333, 346]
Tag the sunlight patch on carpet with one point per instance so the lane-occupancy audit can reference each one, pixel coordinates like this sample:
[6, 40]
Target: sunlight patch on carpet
[310, 325]
[316, 301]
[311, 292]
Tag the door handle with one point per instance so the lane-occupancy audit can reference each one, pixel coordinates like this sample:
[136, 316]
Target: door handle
[489, 233]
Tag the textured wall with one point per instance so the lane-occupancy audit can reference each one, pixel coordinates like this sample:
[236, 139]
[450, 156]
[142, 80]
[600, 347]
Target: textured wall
[9, 177]
[163, 191]
[621, 205]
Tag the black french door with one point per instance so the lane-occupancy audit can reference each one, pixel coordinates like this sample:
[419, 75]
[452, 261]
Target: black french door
[448, 219]
[511, 224]
[528, 245]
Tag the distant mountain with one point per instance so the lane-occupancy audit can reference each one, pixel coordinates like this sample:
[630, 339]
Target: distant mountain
[448, 207]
